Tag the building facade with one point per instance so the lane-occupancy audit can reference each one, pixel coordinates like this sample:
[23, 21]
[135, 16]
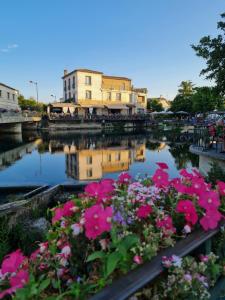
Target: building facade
[96, 93]
[8, 98]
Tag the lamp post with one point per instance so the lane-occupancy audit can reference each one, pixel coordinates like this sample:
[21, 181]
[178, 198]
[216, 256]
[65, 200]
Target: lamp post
[54, 96]
[36, 84]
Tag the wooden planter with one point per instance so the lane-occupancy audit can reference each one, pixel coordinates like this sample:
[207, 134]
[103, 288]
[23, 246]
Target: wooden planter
[138, 278]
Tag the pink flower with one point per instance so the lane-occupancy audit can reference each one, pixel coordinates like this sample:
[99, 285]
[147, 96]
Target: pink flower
[144, 211]
[198, 185]
[221, 187]
[188, 208]
[204, 258]
[97, 220]
[160, 178]
[12, 262]
[211, 219]
[166, 223]
[43, 247]
[185, 174]
[20, 279]
[124, 178]
[66, 251]
[187, 228]
[162, 165]
[209, 200]
[104, 243]
[67, 210]
[167, 261]
[138, 259]
[100, 190]
[34, 255]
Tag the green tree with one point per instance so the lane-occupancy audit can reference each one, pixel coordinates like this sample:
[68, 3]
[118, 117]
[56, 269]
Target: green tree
[186, 88]
[213, 51]
[206, 99]
[31, 104]
[154, 105]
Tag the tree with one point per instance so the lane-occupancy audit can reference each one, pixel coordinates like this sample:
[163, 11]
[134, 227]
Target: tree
[30, 104]
[186, 88]
[154, 105]
[206, 99]
[213, 51]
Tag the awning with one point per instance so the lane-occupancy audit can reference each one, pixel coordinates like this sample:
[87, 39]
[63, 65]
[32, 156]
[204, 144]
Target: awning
[130, 105]
[91, 106]
[117, 106]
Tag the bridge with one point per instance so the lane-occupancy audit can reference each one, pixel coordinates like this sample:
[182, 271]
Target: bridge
[12, 122]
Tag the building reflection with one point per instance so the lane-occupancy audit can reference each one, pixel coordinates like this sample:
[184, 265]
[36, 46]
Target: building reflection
[92, 163]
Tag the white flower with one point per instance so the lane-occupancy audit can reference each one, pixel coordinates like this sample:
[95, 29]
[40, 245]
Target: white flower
[76, 228]
[177, 261]
[66, 250]
[187, 229]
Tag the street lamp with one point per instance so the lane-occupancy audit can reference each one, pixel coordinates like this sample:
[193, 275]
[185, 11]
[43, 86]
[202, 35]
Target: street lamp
[34, 82]
[54, 96]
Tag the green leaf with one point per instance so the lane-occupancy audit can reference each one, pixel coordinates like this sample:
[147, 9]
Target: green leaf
[112, 262]
[130, 241]
[95, 255]
[44, 284]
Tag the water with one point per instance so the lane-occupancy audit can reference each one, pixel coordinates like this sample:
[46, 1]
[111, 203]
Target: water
[74, 157]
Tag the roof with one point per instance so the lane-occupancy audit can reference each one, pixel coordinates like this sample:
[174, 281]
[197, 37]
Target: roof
[7, 86]
[82, 70]
[116, 77]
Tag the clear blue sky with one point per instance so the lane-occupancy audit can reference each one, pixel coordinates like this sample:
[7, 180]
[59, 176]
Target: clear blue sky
[146, 40]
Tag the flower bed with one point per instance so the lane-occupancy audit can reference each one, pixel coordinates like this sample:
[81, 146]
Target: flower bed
[110, 229]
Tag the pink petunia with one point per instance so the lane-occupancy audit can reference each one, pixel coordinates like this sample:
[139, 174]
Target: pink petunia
[221, 187]
[166, 223]
[100, 190]
[20, 279]
[186, 174]
[209, 200]
[160, 178]
[12, 262]
[144, 211]
[97, 220]
[188, 209]
[67, 210]
[211, 219]
[124, 178]
[162, 165]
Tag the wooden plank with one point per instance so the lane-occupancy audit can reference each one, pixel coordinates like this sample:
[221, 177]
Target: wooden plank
[127, 285]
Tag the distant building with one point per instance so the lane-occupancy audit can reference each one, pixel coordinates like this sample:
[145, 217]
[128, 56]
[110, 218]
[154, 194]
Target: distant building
[95, 93]
[166, 104]
[8, 98]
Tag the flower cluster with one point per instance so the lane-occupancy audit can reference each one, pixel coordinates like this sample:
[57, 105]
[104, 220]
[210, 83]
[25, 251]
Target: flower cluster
[115, 226]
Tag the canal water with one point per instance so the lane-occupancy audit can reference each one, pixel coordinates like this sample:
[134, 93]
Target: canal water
[67, 157]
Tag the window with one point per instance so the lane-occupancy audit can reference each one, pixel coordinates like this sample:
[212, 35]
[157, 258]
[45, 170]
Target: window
[65, 96]
[73, 96]
[130, 96]
[118, 96]
[13, 97]
[69, 84]
[108, 96]
[8, 95]
[69, 95]
[0, 93]
[89, 160]
[118, 156]
[65, 83]
[88, 94]
[88, 80]
[73, 82]
[109, 157]
[89, 173]
[123, 87]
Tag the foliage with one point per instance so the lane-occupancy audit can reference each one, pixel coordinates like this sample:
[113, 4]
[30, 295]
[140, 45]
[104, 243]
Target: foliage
[110, 229]
[213, 51]
[31, 104]
[216, 173]
[153, 104]
[200, 99]
[186, 88]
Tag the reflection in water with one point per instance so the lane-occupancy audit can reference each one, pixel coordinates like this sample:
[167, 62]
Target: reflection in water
[87, 157]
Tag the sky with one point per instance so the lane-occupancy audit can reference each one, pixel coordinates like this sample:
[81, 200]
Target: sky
[145, 40]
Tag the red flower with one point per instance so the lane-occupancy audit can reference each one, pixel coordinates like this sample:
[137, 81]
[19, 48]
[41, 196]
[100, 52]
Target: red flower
[209, 200]
[211, 219]
[97, 220]
[166, 223]
[144, 211]
[160, 178]
[124, 178]
[187, 207]
[162, 165]
[221, 187]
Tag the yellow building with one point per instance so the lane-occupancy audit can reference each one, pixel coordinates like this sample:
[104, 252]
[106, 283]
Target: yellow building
[92, 92]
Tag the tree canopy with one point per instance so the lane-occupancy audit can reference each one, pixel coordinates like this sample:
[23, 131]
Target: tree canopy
[213, 51]
[153, 104]
[30, 104]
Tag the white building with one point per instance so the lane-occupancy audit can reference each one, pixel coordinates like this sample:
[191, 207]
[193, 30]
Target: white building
[8, 97]
[95, 92]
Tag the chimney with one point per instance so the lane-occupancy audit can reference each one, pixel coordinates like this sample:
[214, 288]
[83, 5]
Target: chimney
[65, 72]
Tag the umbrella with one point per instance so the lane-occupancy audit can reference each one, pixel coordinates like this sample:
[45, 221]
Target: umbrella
[181, 112]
